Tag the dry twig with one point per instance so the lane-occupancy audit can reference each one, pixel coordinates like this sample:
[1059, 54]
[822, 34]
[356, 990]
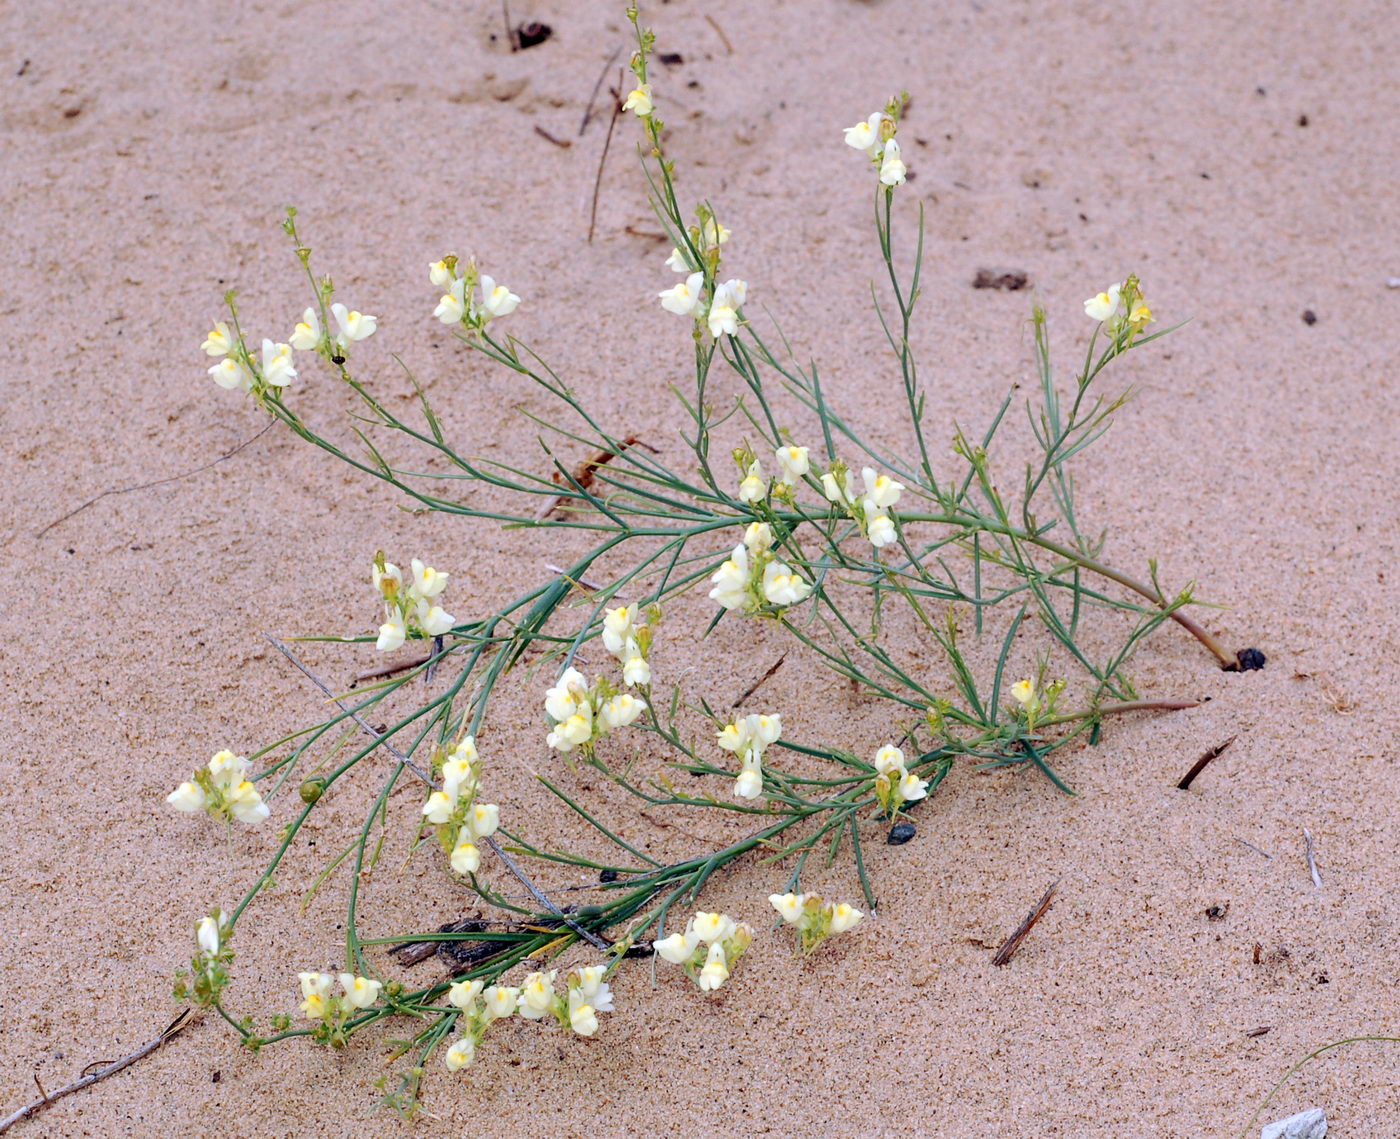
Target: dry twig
[1312, 860]
[603, 158]
[1200, 764]
[561, 143]
[1013, 943]
[390, 669]
[586, 471]
[754, 687]
[593, 95]
[728, 47]
[578, 579]
[158, 482]
[108, 1069]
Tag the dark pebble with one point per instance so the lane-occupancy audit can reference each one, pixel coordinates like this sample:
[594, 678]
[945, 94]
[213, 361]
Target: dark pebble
[1250, 660]
[528, 35]
[1309, 317]
[901, 833]
[607, 876]
[1011, 280]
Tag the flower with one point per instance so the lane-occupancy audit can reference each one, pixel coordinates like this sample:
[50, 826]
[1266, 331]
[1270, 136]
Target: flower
[727, 942]
[361, 992]
[617, 627]
[582, 1018]
[589, 982]
[466, 857]
[315, 990]
[678, 262]
[749, 782]
[866, 136]
[678, 948]
[712, 928]
[501, 1001]
[732, 737]
[844, 917]
[731, 580]
[570, 733]
[754, 486]
[496, 300]
[842, 492]
[636, 671]
[427, 582]
[912, 788]
[1023, 692]
[569, 694]
[391, 634]
[306, 336]
[438, 808]
[894, 783]
[207, 934]
[712, 236]
[1140, 313]
[724, 307]
[464, 993]
[716, 969]
[227, 768]
[537, 995]
[889, 758]
[789, 905]
[484, 820]
[232, 374]
[813, 919]
[277, 364]
[621, 710]
[763, 730]
[433, 620]
[880, 530]
[452, 305]
[456, 776]
[781, 586]
[439, 274]
[1104, 306]
[220, 341]
[639, 100]
[386, 572]
[353, 325]
[222, 790]
[187, 797]
[462, 1052]
[683, 298]
[881, 491]
[464, 750]
[892, 168]
[758, 536]
[245, 804]
[794, 463]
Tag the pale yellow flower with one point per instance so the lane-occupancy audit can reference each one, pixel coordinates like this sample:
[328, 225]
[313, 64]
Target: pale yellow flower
[639, 100]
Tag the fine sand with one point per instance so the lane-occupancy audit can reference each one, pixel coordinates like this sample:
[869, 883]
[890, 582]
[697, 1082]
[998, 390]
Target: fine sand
[1241, 160]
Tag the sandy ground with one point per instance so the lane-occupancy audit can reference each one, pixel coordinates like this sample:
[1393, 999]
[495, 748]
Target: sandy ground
[1242, 161]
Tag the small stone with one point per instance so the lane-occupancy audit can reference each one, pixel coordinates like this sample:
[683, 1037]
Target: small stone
[1250, 660]
[1310, 1124]
[607, 876]
[1309, 317]
[1010, 280]
[901, 833]
[528, 35]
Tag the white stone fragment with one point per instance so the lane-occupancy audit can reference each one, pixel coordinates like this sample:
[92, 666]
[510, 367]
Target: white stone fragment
[1310, 1124]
